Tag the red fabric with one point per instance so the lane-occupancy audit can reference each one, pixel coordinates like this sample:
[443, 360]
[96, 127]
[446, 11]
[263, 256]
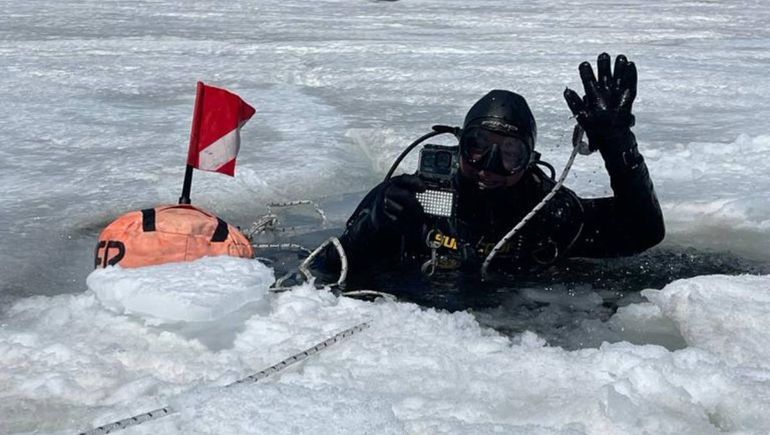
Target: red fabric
[217, 113]
[228, 168]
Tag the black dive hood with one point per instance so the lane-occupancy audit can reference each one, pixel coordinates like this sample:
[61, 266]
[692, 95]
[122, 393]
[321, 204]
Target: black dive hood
[504, 112]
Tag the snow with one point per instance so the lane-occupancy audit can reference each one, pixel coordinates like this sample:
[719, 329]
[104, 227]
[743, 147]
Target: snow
[97, 102]
[413, 371]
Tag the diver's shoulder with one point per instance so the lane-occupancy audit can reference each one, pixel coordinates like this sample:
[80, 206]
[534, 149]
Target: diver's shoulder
[564, 201]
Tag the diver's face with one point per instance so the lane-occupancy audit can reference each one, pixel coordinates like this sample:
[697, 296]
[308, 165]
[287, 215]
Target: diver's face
[491, 159]
[486, 180]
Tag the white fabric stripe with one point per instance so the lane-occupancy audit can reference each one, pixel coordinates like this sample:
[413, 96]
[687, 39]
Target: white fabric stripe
[220, 152]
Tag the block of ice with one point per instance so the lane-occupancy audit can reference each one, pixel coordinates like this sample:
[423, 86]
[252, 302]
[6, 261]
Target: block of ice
[726, 315]
[202, 290]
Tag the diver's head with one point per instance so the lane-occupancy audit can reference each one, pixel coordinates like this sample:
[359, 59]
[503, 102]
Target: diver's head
[498, 140]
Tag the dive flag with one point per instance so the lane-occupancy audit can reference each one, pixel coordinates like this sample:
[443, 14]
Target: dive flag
[215, 137]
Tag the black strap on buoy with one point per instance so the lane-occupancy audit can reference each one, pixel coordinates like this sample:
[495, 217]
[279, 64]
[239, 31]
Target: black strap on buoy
[148, 225]
[221, 233]
[148, 220]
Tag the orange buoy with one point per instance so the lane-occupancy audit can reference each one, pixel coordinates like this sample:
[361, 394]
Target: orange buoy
[166, 234]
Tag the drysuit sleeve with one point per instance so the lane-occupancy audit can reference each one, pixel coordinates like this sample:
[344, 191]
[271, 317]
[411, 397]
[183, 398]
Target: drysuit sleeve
[630, 221]
[365, 245]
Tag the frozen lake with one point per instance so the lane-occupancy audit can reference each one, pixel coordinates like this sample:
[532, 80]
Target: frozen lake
[97, 103]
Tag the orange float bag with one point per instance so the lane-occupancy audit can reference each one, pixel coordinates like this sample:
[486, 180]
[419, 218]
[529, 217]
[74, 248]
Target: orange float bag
[167, 234]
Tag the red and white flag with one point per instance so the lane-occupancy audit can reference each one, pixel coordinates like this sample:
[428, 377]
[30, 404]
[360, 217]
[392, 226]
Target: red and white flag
[215, 138]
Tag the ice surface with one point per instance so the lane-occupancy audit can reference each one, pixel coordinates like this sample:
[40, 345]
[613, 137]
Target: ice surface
[413, 371]
[97, 102]
[724, 315]
[203, 290]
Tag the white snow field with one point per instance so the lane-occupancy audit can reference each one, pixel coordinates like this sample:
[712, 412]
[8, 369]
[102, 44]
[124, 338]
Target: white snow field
[73, 360]
[95, 113]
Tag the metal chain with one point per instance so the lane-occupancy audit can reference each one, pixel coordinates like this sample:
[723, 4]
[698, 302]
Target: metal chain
[162, 412]
[300, 356]
[284, 246]
[269, 221]
[262, 225]
[131, 421]
[298, 202]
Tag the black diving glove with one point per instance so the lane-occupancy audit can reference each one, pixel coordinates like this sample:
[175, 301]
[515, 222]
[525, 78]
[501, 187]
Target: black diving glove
[396, 207]
[605, 110]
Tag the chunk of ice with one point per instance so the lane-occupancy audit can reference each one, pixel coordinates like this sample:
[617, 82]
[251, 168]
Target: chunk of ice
[202, 290]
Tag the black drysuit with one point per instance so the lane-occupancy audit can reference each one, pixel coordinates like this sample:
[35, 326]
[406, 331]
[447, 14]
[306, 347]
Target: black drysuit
[568, 226]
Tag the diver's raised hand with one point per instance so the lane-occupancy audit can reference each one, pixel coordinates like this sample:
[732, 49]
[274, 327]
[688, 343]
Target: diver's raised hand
[605, 109]
[396, 206]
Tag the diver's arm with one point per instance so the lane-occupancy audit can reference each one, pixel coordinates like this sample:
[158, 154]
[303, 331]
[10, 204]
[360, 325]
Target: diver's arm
[365, 244]
[360, 242]
[630, 221]
[375, 230]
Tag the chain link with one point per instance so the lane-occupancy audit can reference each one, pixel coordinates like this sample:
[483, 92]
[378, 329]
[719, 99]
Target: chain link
[301, 356]
[283, 246]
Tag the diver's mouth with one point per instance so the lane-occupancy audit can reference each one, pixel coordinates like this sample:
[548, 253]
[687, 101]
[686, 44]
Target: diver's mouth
[487, 181]
[488, 185]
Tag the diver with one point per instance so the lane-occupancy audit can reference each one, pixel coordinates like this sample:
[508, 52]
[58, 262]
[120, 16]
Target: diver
[499, 181]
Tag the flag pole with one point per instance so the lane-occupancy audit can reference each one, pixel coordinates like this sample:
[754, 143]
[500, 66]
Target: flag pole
[192, 151]
[185, 198]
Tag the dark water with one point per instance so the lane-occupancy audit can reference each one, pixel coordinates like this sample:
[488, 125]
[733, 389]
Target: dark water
[567, 305]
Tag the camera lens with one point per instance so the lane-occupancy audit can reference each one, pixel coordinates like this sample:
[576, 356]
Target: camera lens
[443, 160]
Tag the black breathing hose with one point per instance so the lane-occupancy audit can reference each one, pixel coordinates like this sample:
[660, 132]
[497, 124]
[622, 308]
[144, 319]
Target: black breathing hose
[437, 130]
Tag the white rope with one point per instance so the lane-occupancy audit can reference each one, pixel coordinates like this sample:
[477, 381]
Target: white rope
[304, 266]
[529, 216]
[162, 412]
